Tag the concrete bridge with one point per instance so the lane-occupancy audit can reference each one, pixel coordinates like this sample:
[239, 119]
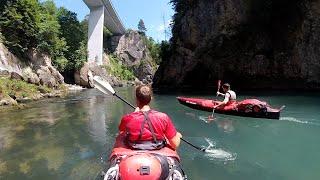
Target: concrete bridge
[101, 13]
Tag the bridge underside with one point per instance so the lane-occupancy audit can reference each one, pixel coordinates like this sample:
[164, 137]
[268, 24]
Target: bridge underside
[102, 14]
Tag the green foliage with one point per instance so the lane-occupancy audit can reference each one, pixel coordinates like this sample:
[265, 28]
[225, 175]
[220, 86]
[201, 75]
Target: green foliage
[70, 29]
[119, 70]
[19, 22]
[84, 27]
[80, 56]
[49, 30]
[154, 49]
[141, 27]
[75, 35]
[107, 34]
[17, 88]
[27, 24]
[60, 63]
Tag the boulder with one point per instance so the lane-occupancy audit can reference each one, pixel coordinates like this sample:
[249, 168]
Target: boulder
[16, 76]
[29, 76]
[4, 73]
[48, 75]
[84, 76]
[7, 101]
[46, 78]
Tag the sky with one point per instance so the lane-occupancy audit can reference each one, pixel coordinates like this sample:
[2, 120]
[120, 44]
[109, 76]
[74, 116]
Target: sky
[156, 14]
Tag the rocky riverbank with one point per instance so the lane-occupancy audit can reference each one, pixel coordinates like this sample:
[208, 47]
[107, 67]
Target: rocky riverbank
[23, 81]
[129, 64]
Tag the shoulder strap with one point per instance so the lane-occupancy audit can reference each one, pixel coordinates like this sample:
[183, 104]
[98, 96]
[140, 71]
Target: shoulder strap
[148, 121]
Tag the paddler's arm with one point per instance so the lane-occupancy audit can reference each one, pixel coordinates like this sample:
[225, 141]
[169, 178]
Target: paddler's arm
[171, 133]
[220, 94]
[175, 141]
[224, 102]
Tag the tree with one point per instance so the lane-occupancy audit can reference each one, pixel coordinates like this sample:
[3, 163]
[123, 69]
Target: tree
[19, 24]
[49, 40]
[141, 27]
[74, 34]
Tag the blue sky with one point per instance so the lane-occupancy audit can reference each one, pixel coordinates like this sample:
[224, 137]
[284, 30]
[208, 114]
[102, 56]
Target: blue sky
[130, 12]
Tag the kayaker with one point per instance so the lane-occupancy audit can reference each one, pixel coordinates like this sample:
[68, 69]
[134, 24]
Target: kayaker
[229, 96]
[147, 129]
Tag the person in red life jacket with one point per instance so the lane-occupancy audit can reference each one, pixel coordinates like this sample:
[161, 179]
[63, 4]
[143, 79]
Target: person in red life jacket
[229, 96]
[147, 129]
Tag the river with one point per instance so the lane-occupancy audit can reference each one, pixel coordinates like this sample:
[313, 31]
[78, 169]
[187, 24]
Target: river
[71, 138]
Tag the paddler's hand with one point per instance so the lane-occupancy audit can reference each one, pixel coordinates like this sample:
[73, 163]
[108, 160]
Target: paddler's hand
[218, 93]
[179, 134]
[137, 109]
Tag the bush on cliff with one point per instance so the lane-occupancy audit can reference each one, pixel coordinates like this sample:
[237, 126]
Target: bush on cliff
[117, 69]
[40, 25]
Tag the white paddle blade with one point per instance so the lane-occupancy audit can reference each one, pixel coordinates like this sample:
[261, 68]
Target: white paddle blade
[103, 85]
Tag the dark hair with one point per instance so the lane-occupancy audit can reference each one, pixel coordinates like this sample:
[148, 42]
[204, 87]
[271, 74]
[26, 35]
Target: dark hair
[143, 94]
[226, 85]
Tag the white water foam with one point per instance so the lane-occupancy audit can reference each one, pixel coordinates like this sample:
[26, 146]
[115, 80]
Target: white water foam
[218, 154]
[206, 119]
[292, 119]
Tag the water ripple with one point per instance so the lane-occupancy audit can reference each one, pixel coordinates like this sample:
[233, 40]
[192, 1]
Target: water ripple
[292, 119]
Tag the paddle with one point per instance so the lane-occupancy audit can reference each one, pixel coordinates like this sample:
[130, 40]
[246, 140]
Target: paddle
[103, 86]
[219, 84]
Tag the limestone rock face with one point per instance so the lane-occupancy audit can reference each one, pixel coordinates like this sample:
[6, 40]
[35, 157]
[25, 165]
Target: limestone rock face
[134, 54]
[29, 76]
[37, 70]
[48, 75]
[84, 76]
[251, 44]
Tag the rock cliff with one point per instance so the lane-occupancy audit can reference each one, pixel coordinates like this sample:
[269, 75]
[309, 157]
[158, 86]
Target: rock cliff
[249, 43]
[133, 52]
[38, 70]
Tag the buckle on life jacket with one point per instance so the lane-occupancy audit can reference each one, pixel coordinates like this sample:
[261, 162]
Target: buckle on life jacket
[146, 145]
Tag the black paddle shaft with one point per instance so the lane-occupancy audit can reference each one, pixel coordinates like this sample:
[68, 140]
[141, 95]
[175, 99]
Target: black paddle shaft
[115, 94]
[200, 149]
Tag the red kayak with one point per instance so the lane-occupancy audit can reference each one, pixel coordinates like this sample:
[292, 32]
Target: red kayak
[248, 108]
[125, 164]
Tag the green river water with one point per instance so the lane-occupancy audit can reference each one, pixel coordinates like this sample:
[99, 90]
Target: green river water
[71, 138]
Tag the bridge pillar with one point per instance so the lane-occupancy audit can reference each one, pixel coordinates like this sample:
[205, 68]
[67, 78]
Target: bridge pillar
[95, 35]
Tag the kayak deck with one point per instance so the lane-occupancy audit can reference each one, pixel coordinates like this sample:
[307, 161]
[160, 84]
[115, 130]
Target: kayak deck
[207, 105]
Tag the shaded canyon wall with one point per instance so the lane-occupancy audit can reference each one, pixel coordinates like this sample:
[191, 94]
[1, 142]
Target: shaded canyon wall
[249, 43]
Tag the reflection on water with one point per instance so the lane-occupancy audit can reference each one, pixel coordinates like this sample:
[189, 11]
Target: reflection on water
[56, 140]
[226, 125]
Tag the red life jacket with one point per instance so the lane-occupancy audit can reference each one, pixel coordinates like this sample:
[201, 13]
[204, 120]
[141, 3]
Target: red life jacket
[140, 144]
